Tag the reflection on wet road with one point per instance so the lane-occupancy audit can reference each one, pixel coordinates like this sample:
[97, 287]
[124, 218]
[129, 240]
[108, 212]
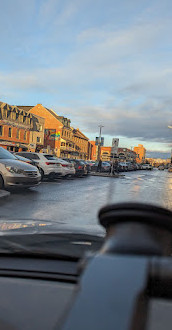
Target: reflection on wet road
[76, 202]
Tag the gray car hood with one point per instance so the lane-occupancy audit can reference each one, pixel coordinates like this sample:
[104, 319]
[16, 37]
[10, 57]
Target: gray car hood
[17, 163]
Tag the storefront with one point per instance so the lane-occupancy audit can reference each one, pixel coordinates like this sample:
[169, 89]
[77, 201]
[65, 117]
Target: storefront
[13, 146]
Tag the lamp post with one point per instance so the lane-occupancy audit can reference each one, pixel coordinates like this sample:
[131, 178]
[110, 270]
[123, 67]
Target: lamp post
[99, 142]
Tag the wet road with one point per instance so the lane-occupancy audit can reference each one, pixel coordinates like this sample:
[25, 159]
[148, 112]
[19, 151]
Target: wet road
[76, 202]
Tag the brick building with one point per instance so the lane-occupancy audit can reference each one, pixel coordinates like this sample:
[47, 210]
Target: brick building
[141, 153]
[36, 141]
[15, 127]
[59, 136]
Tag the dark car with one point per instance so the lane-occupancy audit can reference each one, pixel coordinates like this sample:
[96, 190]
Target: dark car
[24, 159]
[80, 167]
[88, 166]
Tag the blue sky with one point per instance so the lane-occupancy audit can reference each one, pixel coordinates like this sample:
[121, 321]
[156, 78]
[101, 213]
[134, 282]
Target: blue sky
[97, 62]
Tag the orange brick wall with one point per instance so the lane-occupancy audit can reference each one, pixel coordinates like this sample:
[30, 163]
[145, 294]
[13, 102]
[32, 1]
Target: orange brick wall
[50, 121]
[13, 138]
[93, 151]
[141, 151]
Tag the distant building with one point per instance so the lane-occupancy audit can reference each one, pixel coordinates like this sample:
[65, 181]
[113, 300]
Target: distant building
[59, 137]
[123, 154]
[36, 141]
[93, 151]
[15, 127]
[141, 153]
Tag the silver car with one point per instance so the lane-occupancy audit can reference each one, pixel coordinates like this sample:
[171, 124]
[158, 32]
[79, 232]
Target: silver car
[14, 173]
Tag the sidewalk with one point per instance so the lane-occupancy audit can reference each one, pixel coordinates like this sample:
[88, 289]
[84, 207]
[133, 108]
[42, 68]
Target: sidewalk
[4, 194]
[107, 175]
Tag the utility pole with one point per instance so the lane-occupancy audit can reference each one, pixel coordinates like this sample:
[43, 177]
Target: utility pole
[99, 142]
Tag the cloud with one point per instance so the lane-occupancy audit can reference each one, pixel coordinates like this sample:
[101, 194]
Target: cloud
[99, 71]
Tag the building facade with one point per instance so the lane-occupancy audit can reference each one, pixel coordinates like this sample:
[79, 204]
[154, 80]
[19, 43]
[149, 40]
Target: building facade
[52, 128]
[36, 141]
[15, 127]
[141, 153]
[59, 137]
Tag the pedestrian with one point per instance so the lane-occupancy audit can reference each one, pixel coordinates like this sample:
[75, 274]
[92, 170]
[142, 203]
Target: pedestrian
[99, 167]
[111, 168]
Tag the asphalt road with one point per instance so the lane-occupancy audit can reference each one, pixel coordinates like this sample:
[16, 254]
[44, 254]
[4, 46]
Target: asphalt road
[76, 202]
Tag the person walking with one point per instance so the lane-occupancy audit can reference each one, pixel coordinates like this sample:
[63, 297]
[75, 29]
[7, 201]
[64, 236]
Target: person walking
[99, 167]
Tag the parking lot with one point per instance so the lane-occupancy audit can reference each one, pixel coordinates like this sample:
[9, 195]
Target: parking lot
[75, 202]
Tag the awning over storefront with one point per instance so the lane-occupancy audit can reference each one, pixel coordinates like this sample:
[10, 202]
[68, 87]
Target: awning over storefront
[14, 144]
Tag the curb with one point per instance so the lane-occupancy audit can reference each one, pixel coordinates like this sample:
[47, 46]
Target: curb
[105, 175]
[4, 194]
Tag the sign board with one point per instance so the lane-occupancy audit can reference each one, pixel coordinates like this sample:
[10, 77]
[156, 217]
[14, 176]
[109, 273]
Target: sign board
[102, 141]
[115, 143]
[97, 141]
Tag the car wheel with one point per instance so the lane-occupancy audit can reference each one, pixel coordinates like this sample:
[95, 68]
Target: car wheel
[42, 173]
[1, 182]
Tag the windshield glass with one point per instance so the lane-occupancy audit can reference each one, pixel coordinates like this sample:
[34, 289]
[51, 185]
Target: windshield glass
[4, 154]
[83, 81]
[50, 157]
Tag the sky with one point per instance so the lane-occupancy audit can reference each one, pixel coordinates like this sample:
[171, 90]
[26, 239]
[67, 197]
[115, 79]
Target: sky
[101, 62]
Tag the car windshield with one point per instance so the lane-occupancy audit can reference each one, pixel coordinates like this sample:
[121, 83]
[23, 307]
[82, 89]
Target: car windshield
[4, 154]
[50, 157]
[89, 83]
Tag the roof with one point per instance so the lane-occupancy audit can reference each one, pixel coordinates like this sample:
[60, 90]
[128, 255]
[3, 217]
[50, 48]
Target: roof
[77, 132]
[25, 107]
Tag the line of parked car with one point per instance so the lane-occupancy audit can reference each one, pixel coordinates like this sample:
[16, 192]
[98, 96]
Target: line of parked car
[120, 166]
[27, 169]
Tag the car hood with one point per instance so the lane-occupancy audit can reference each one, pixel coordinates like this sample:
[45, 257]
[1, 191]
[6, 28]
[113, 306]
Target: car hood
[17, 163]
[32, 237]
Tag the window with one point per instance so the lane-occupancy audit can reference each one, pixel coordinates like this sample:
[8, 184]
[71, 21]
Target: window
[17, 134]
[1, 130]
[10, 132]
[24, 135]
[38, 139]
[50, 157]
[28, 155]
[40, 128]
[4, 154]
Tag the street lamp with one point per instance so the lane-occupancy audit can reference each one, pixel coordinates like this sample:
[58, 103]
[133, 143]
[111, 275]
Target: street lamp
[99, 142]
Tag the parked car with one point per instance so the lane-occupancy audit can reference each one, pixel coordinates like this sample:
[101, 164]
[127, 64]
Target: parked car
[80, 167]
[147, 167]
[24, 159]
[88, 166]
[15, 173]
[69, 168]
[48, 165]
[123, 167]
[161, 167]
[105, 167]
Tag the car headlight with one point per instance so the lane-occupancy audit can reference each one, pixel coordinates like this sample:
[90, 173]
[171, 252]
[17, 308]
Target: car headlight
[13, 169]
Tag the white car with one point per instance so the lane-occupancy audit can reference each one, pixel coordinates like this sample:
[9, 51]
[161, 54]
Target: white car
[147, 167]
[49, 165]
[68, 167]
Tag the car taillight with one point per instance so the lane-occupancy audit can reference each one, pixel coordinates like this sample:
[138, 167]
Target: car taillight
[79, 167]
[47, 163]
[64, 165]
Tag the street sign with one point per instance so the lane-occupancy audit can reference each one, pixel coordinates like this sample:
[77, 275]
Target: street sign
[115, 143]
[102, 141]
[97, 141]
